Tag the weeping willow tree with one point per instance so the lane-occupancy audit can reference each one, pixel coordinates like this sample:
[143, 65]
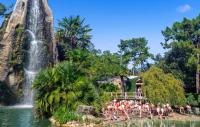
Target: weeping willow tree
[64, 85]
[162, 88]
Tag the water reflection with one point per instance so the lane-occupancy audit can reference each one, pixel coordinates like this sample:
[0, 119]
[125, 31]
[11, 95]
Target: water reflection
[20, 117]
[23, 117]
[157, 123]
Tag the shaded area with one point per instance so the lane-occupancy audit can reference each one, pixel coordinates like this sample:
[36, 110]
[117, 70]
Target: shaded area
[20, 117]
[6, 95]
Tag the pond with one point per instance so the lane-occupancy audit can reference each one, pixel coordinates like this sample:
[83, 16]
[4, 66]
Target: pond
[20, 116]
[23, 116]
[157, 123]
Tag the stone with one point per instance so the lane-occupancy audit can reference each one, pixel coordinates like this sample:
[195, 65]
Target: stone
[196, 110]
[11, 79]
[88, 118]
[19, 18]
[87, 110]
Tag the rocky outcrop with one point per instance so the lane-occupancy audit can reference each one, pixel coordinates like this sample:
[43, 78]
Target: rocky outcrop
[14, 37]
[17, 18]
[49, 29]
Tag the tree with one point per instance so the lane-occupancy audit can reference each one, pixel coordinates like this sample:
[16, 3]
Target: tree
[107, 65]
[3, 9]
[71, 34]
[180, 61]
[134, 51]
[178, 36]
[159, 87]
[64, 85]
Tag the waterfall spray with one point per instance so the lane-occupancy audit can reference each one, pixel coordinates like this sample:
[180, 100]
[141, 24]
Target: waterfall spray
[34, 59]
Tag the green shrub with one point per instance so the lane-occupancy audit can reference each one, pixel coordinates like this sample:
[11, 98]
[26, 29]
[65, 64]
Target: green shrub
[63, 115]
[109, 87]
[65, 84]
[198, 99]
[191, 100]
[162, 88]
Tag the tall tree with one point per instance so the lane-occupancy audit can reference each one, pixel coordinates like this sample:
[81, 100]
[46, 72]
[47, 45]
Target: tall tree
[73, 33]
[134, 51]
[184, 35]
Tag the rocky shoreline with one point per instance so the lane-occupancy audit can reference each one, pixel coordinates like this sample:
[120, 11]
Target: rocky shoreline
[183, 117]
[102, 123]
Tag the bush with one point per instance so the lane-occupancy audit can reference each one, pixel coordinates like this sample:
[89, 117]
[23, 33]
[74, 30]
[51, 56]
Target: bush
[63, 115]
[193, 99]
[162, 88]
[65, 84]
[109, 87]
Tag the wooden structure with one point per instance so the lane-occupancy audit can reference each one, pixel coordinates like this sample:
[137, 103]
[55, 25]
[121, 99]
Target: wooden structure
[139, 83]
[124, 96]
[137, 95]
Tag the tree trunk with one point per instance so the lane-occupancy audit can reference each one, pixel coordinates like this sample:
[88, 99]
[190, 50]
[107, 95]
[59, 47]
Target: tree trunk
[197, 70]
[122, 85]
[197, 75]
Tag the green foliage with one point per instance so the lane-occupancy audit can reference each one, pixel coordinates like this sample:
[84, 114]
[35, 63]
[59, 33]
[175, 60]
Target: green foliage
[98, 66]
[183, 42]
[181, 62]
[64, 85]
[162, 88]
[191, 100]
[17, 54]
[64, 115]
[134, 51]
[74, 82]
[109, 87]
[106, 65]
[72, 33]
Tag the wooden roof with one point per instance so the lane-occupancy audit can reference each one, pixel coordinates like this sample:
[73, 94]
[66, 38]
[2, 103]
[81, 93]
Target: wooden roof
[139, 82]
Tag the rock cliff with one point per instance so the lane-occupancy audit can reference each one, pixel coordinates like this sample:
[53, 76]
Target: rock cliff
[12, 42]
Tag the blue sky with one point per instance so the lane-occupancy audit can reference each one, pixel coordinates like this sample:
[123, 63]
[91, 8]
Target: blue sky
[112, 20]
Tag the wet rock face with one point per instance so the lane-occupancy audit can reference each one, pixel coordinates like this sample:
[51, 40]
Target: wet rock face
[17, 17]
[12, 43]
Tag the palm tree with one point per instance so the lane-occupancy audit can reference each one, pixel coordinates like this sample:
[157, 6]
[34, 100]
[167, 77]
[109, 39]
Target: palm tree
[63, 85]
[72, 33]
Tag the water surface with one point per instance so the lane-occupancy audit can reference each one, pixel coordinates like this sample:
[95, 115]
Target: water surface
[23, 116]
[20, 116]
[157, 123]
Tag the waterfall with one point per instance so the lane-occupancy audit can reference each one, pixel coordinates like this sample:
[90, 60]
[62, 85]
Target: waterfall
[35, 56]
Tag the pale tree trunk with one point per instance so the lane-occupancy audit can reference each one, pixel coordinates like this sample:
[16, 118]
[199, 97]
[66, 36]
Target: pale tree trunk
[197, 75]
[197, 70]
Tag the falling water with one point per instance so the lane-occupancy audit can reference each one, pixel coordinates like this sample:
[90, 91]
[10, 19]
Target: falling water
[35, 58]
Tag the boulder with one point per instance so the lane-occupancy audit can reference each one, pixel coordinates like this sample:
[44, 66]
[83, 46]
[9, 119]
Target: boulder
[86, 110]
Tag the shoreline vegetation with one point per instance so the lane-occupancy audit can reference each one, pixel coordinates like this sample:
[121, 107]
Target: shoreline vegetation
[172, 117]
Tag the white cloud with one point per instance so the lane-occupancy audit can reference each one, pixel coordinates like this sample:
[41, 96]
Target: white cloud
[184, 8]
